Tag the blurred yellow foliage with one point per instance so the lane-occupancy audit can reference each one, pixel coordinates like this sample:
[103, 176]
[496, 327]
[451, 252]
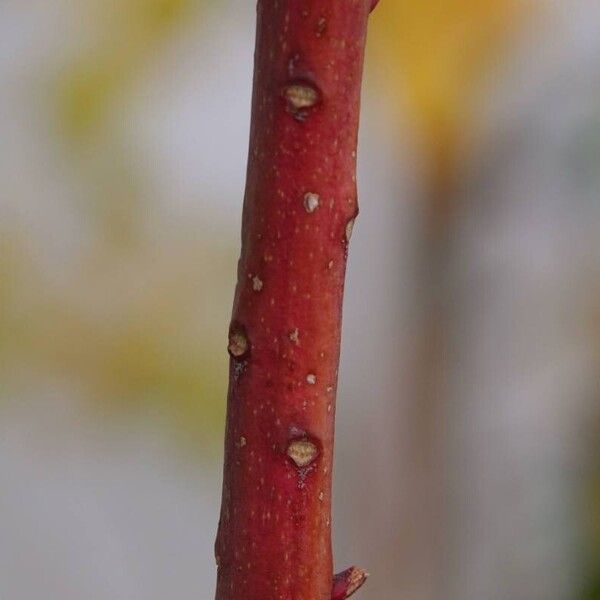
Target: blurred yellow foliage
[135, 331]
[130, 326]
[128, 35]
[429, 56]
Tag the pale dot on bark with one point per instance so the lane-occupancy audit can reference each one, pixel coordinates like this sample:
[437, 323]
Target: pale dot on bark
[311, 202]
[257, 283]
[321, 26]
[302, 452]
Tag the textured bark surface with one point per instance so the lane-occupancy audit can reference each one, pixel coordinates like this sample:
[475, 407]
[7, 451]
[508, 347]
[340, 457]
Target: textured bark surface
[274, 538]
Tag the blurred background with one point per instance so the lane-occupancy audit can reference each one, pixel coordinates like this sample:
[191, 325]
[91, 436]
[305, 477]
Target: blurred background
[471, 348]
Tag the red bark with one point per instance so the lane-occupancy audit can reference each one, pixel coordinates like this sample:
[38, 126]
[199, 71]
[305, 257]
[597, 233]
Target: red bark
[274, 539]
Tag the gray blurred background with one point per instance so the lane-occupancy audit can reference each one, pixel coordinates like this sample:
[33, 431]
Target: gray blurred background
[467, 462]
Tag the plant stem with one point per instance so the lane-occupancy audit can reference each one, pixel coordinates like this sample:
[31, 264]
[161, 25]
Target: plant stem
[274, 538]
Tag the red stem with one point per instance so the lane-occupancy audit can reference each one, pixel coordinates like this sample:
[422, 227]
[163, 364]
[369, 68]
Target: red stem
[274, 539]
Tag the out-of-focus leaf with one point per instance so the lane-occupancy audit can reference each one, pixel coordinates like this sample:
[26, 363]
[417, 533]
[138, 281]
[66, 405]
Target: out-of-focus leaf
[430, 54]
[136, 331]
[127, 35]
